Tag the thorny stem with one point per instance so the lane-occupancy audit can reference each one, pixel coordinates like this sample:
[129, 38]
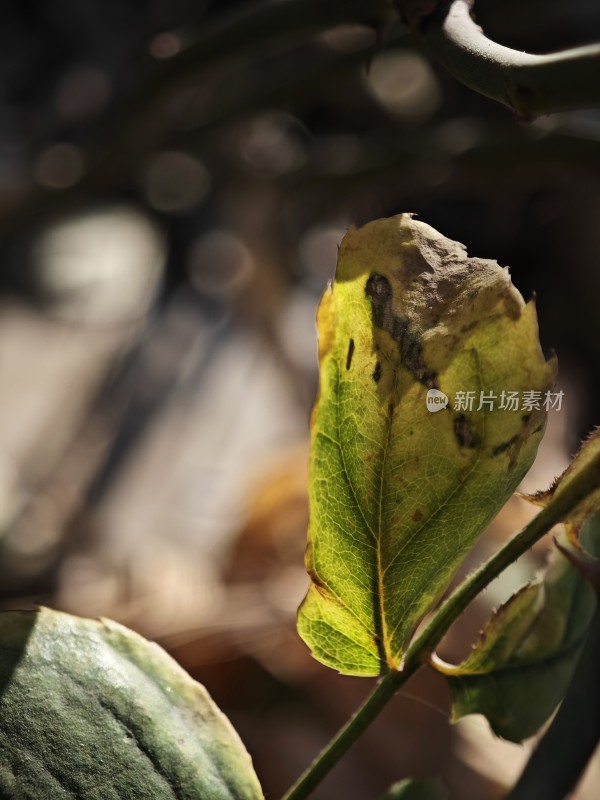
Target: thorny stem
[423, 645]
[384, 690]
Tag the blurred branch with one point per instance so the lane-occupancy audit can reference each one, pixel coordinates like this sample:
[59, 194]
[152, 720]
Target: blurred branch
[562, 755]
[258, 23]
[138, 124]
[529, 84]
[539, 161]
[115, 142]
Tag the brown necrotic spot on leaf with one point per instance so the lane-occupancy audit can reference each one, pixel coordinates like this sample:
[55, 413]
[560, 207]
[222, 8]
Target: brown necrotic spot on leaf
[379, 289]
[469, 326]
[350, 354]
[464, 432]
[501, 448]
[412, 356]
[315, 578]
[377, 372]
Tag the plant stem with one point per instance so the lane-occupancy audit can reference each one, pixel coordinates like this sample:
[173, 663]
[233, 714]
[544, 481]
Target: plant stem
[352, 730]
[529, 84]
[564, 502]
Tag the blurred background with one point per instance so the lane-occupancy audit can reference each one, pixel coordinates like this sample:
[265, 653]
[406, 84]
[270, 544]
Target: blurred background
[171, 202]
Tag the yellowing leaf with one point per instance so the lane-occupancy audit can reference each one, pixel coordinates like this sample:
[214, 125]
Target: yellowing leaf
[93, 711]
[520, 668]
[398, 495]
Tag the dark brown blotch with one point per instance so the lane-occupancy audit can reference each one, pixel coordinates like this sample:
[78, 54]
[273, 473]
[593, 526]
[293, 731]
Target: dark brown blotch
[350, 354]
[379, 289]
[412, 356]
[464, 432]
[467, 328]
[502, 448]
[316, 580]
[377, 372]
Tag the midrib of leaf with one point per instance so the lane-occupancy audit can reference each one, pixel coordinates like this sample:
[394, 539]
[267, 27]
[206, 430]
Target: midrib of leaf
[386, 640]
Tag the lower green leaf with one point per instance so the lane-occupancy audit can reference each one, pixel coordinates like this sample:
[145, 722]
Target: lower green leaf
[91, 710]
[520, 668]
[431, 789]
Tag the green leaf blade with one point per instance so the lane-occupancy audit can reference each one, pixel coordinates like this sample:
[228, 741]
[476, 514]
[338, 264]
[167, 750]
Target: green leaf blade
[398, 495]
[91, 710]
